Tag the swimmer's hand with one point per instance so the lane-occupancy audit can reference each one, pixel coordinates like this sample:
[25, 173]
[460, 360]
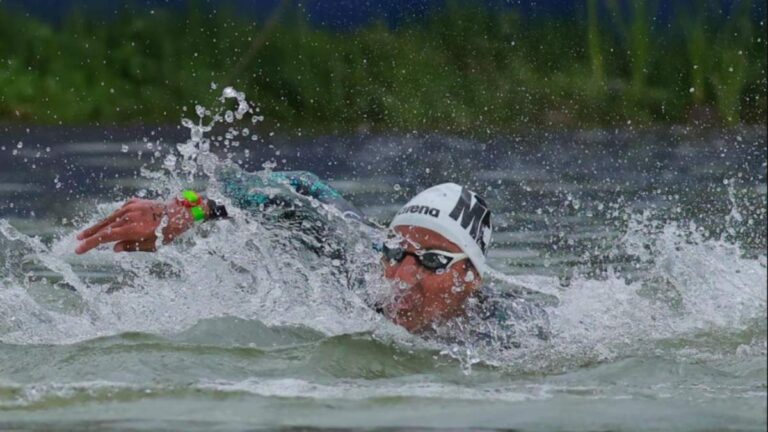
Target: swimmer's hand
[135, 224]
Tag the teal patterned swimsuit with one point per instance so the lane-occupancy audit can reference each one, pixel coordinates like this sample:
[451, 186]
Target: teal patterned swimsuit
[285, 189]
[495, 316]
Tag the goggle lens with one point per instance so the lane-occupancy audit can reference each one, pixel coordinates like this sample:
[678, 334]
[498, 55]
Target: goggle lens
[395, 254]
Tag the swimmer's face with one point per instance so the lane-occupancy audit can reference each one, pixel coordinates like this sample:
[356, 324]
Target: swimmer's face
[426, 296]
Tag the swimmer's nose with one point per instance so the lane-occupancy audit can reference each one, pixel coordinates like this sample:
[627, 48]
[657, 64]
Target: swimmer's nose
[408, 271]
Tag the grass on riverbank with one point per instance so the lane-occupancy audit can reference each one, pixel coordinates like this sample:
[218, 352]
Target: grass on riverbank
[460, 70]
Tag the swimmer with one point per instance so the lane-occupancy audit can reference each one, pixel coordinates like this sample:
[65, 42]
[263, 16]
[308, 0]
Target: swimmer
[435, 255]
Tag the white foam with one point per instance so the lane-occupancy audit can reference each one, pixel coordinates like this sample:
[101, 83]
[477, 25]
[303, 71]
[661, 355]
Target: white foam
[365, 389]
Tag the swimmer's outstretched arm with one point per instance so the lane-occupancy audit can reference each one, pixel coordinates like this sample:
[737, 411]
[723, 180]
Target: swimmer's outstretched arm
[134, 225]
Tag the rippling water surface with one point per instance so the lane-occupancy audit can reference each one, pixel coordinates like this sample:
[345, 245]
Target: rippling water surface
[651, 245]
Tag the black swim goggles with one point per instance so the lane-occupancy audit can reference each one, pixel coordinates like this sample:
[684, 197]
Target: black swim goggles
[432, 259]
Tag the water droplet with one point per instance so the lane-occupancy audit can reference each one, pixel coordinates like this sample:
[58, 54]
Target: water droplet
[469, 277]
[242, 107]
[124, 148]
[396, 187]
[170, 161]
[229, 92]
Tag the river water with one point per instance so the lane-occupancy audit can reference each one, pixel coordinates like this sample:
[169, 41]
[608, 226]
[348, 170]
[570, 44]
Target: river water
[650, 244]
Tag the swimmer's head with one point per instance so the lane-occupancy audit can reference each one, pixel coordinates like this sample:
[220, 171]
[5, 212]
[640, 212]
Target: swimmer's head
[454, 212]
[437, 254]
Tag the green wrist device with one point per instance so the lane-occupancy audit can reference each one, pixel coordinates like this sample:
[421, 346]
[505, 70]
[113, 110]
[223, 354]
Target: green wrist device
[191, 200]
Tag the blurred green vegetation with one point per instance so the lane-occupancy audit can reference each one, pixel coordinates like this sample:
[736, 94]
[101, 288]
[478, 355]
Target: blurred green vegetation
[460, 70]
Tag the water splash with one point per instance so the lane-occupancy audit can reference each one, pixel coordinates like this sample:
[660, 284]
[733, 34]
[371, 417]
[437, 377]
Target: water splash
[686, 284]
[240, 267]
[690, 287]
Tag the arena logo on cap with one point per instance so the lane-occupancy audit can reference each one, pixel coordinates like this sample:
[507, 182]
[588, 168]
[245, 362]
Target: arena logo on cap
[475, 217]
[421, 209]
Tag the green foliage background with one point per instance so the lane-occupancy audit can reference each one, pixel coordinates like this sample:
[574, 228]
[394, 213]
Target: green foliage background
[461, 69]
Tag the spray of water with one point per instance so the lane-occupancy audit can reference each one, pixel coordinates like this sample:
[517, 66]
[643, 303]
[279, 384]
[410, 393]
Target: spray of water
[690, 289]
[691, 285]
[241, 267]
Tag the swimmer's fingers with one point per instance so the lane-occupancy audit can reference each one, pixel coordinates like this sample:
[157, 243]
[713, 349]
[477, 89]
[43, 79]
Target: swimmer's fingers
[105, 236]
[134, 246]
[129, 218]
[108, 220]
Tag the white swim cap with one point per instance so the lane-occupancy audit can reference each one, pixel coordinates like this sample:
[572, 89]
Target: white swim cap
[456, 213]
